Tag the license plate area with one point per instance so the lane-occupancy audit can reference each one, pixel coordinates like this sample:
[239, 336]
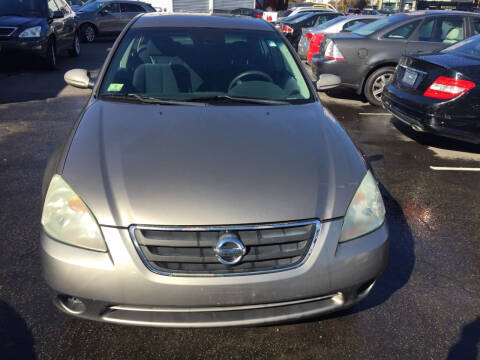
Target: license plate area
[410, 77]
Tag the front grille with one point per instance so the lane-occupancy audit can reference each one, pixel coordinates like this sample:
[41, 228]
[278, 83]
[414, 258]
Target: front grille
[189, 251]
[7, 31]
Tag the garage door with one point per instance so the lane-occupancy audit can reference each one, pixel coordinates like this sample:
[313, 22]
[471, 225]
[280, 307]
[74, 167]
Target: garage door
[194, 6]
[233, 4]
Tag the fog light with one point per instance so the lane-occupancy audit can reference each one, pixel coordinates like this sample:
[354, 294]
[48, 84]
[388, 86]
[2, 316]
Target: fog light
[72, 304]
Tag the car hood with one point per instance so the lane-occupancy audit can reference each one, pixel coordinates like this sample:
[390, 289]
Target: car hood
[212, 165]
[20, 21]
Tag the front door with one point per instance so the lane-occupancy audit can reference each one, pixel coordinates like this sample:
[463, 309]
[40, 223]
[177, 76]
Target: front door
[110, 18]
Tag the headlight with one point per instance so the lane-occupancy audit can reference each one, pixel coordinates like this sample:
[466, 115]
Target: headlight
[66, 218]
[31, 32]
[366, 212]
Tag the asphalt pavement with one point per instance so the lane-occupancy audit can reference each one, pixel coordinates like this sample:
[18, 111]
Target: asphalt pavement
[425, 306]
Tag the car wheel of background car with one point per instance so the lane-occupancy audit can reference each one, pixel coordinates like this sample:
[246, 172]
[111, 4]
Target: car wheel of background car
[75, 50]
[88, 33]
[51, 55]
[375, 84]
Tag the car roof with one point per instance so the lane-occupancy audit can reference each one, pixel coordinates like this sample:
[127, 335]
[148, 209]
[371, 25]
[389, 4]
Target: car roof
[438, 12]
[219, 21]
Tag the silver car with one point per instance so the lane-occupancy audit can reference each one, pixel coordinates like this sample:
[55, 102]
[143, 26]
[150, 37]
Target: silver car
[204, 184]
[333, 26]
[107, 17]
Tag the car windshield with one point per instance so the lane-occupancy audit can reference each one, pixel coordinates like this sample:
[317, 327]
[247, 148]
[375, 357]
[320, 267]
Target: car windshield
[329, 23]
[378, 25]
[23, 8]
[469, 48]
[194, 64]
[300, 18]
[92, 6]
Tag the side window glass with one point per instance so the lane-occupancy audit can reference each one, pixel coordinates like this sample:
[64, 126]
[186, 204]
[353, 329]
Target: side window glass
[351, 23]
[320, 20]
[131, 8]
[112, 8]
[52, 6]
[476, 26]
[402, 32]
[425, 33]
[451, 30]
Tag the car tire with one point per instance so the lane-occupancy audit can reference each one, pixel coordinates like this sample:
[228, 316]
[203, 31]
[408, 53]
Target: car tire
[375, 83]
[75, 50]
[51, 55]
[88, 33]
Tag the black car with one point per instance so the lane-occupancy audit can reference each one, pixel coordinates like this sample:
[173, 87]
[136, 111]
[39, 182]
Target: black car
[439, 93]
[292, 29]
[248, 12]
[373, 50]
[39, 27]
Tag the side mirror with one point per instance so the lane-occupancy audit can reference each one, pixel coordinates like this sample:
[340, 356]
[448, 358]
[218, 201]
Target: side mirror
[57, 15]
[103, 12]
[327, 82]
[79, 78]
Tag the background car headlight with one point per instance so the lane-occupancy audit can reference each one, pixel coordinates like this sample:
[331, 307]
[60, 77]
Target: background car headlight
[366, 212]
[66, 218]
[31, 32]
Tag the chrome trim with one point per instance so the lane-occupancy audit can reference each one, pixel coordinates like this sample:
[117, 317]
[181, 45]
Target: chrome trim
[8, 27]
[223, 308]
[145, 261]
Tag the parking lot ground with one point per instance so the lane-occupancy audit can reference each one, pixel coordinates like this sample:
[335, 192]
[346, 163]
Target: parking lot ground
[425, 306]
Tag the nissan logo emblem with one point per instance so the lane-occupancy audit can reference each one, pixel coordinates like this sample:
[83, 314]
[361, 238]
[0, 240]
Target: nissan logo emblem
[229, 249]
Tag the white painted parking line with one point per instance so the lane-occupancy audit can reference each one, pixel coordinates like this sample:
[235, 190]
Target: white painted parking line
[446, 168]
[375, 114]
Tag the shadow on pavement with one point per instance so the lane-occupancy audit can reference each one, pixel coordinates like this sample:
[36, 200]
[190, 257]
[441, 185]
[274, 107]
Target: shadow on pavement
[16, 340]
[345, 93]
[467, 347]
[434, 140]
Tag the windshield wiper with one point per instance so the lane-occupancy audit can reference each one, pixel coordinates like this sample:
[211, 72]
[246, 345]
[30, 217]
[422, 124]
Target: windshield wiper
[241, 100]
[150, 99]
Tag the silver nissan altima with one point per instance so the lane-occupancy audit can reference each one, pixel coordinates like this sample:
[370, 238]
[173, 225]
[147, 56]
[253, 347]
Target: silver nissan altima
[204, 184]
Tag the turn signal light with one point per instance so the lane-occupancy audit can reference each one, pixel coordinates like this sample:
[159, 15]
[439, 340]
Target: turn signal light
[447, 88]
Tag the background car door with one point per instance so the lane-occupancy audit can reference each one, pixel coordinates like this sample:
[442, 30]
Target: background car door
[437, 33]
[129, 11]
[69, 27]
[57, 25]
[110, 18]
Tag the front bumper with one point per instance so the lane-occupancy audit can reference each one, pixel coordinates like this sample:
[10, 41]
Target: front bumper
[16, 46]
[116, 286]
[435, 119]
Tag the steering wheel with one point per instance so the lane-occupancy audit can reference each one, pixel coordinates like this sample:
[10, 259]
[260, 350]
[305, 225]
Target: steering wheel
[248, 73]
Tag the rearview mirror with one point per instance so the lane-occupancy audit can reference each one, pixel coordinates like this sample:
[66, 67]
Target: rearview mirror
[327, 82]
[79, 78]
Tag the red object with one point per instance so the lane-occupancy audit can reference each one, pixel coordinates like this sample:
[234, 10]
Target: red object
[287, 29]
[269, 18]
[315, 42]
[447, 88]
[259, 16]
[309, 35]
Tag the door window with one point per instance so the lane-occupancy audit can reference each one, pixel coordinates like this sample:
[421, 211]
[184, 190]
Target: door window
[402, 32]
[112, 8]
[447, 30]
[52, 6]
[476, 26]
[132, 8]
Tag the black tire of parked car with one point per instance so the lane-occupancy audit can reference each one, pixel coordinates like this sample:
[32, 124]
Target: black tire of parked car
[51, 55]
[374, 85]
[88, 33]
[75, 50]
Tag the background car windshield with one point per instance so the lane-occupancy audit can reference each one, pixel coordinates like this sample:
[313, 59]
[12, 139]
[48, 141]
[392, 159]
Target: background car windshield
[469, 47]
[24, 8]
[300, 18]
[180, 64]
[375, 26]
[329, 23]
[92, 6]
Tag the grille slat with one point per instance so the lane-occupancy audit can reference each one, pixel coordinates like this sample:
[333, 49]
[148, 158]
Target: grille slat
[189, 251]
[6, 31]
